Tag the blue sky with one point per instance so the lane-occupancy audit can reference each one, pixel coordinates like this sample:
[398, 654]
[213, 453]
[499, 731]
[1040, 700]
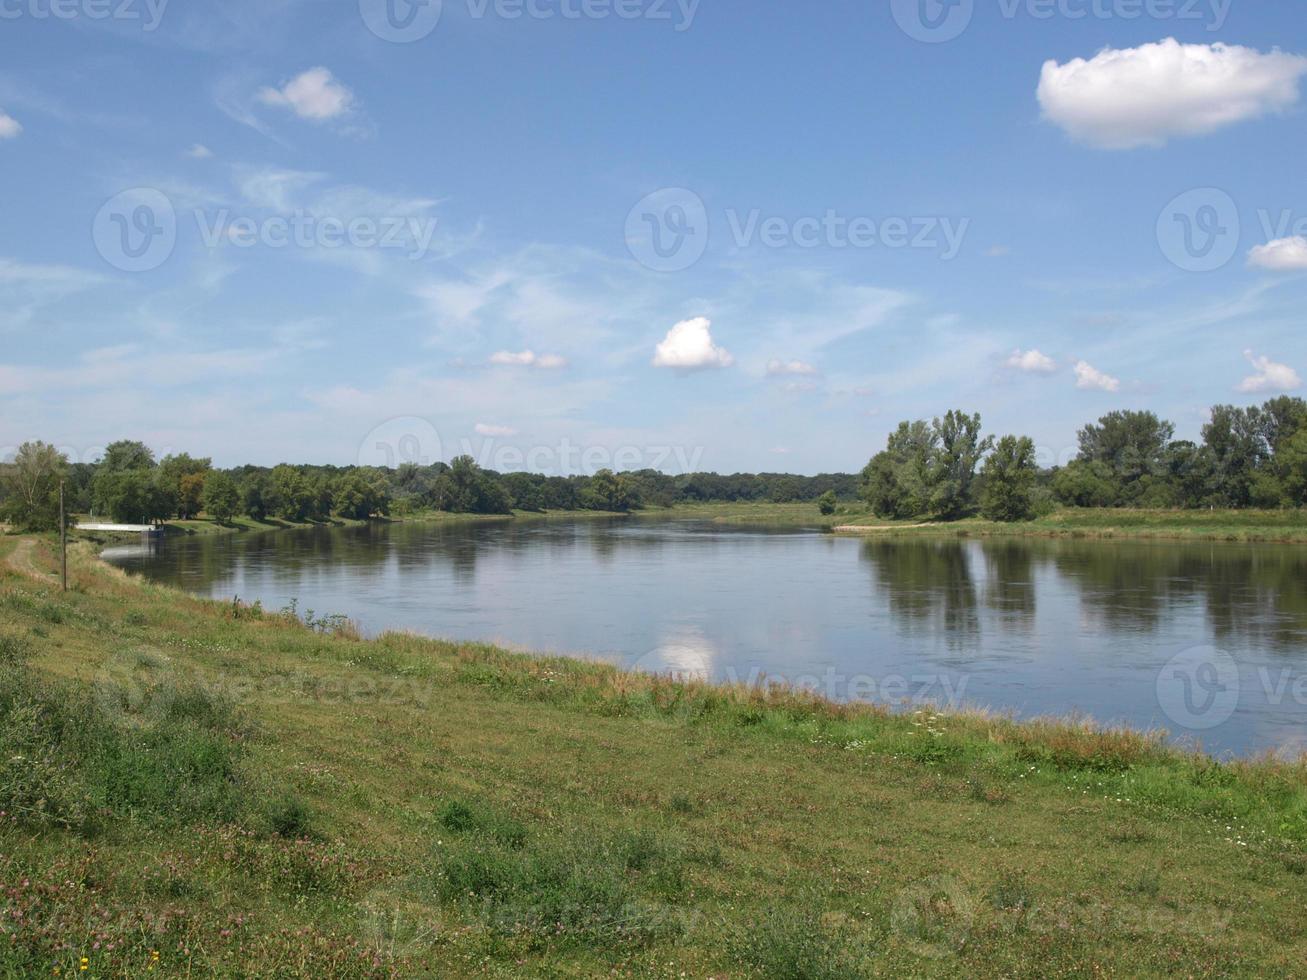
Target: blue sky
[340, 232]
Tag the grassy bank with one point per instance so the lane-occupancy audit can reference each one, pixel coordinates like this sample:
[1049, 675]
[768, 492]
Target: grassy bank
[195, 788]
[1217, 525]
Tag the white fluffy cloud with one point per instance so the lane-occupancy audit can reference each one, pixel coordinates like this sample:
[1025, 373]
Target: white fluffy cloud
[199, 152]
[1281, 255]
[528, 358]
[314, 95]
[9, 126]
[482, 429]
[1031, 360]
[1121, 99]
[1089, 378]
[781, 369]
[689, 346]
[1270, 376]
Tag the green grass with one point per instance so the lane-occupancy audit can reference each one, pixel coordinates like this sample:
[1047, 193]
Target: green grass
[762, 514]
[1111, 522]
[228, 792]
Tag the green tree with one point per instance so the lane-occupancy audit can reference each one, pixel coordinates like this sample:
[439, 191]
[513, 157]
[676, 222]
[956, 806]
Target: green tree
[254, 496]
[1009, 480]
[1086, 484]
[897, 482]
[610, 491]
[1189, 473]
[222, 498]
[1131, 444]
[29, 487]
[827, 503]
[361, 494]
[126, 454]
[289, 495]
[132, 496]
[958, 449]
[182, 476]
[1236, 439]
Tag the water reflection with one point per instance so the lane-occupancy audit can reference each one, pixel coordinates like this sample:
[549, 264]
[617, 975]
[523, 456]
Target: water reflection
[1034, 626]
[928, 585]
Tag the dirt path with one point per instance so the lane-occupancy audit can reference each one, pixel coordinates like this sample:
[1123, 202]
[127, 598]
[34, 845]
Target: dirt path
[20, 560]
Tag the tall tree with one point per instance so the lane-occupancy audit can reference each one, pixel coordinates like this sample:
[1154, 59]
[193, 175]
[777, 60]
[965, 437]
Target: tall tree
[958, 450]
[222, 499]
[1132, 444]
[1236, 438]
[29, 487]
[126, 454]
[1009, 480]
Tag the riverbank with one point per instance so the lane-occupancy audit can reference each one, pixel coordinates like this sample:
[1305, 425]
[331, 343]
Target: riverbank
[1194, 525]
[854, 518]
[207, 789]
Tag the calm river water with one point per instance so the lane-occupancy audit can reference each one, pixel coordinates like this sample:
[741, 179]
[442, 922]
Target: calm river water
[1206, 640]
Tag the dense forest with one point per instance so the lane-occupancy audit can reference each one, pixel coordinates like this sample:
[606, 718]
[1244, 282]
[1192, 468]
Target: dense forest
[128, 485]
[945, 468]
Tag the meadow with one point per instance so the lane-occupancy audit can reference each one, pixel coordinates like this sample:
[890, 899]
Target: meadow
[196, 788]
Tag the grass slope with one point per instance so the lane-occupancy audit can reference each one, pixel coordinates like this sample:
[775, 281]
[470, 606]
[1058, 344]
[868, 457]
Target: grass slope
[193, 788]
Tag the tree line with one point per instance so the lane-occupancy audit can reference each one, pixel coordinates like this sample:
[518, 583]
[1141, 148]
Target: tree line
[944, 468]
[128, 485]
[1248, 457]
